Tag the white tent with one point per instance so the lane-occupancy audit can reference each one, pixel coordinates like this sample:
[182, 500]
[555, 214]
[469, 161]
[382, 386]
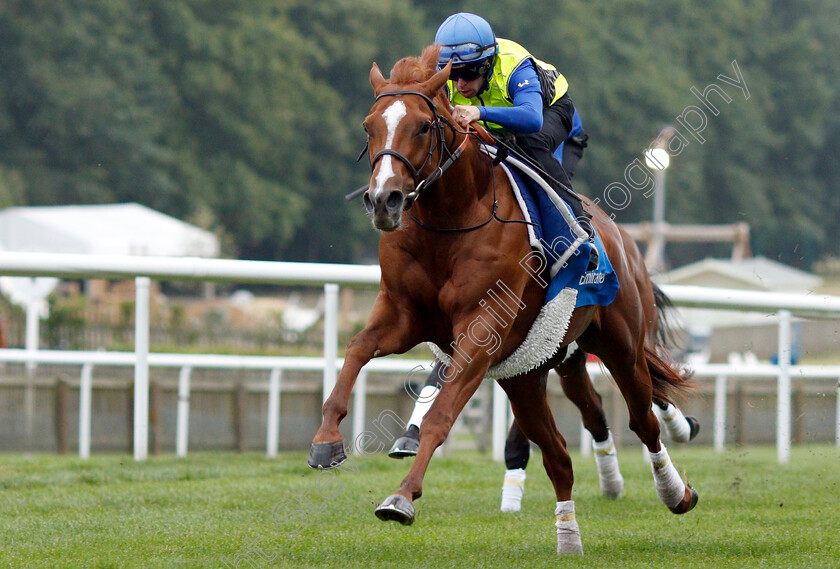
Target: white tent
[113, 229]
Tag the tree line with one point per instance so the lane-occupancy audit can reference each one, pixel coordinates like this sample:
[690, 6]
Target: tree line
[243, 116]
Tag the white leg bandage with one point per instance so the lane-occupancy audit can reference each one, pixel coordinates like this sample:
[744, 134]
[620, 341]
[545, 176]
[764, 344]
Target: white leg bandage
[669, 486]
[568, 532]
[673, 420]
[424, 402]
[612, 483]
[512, 490]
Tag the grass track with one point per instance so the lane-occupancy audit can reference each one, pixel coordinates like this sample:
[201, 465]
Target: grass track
[110, 512]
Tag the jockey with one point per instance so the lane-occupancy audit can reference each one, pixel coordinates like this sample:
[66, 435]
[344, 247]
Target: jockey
[498, 82]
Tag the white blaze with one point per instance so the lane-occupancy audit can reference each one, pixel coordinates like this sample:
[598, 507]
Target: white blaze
[392, 115]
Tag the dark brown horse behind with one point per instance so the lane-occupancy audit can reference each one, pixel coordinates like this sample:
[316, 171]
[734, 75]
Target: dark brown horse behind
[457, 247]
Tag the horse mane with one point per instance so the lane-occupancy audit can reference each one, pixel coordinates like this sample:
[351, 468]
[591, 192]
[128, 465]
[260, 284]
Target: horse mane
[415, 69]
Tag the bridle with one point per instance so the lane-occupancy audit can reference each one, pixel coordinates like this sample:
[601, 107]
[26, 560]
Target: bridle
[443, 163]
[445, 159]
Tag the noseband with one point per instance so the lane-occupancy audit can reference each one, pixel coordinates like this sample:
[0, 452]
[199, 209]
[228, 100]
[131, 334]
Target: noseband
[443, 163]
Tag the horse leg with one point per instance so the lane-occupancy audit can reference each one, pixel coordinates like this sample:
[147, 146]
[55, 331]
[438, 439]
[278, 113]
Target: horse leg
[408, 443]
[577, 386]
[460, 383]
[388, 331]
[628, 363]
[517, 453]
[530, 407]
[679, 427]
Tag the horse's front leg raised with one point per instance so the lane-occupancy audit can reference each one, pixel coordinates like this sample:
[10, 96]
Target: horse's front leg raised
[461, 380]
[388, 331]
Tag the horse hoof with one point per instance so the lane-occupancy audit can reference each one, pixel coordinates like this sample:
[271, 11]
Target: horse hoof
[396, 508]
[684, 506]
[324, 456]
[406, 445]
[613, 493]
[694, 426]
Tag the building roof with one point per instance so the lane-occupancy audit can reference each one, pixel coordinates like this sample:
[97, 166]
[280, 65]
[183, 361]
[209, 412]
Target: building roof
[112, 229]
[756, 273]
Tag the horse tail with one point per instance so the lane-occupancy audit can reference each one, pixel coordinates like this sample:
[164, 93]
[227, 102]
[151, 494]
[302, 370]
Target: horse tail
[666, 316]
[668, 382]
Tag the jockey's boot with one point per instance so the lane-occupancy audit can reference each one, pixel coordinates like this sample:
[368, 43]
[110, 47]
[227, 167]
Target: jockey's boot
[583, 217]
[563, 189]
[585, 221]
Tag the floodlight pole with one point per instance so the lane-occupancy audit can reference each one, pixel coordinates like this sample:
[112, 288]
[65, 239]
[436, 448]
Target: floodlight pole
[657, 159]
[656, 257]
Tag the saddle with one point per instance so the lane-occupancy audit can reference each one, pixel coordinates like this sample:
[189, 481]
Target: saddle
[563, 246]
[557, 236]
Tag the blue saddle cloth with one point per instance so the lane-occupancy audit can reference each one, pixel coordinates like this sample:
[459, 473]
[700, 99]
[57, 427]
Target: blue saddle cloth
[552, 237]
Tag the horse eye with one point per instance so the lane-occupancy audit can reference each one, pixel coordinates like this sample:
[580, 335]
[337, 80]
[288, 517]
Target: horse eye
[425, 128]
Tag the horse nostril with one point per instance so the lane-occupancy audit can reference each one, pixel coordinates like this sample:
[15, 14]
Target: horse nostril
[368, 203]
[394, 201]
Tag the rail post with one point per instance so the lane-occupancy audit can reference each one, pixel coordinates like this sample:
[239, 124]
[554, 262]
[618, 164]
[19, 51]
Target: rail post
[359, 408]
[500, 421]
[837, 417]
[330, 337]
[85, 393]
[182, 428]
[784, 395]
[272, 440]
[720, 412]
[141, 368]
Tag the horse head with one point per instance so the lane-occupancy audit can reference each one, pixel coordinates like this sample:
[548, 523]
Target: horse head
[407, 143]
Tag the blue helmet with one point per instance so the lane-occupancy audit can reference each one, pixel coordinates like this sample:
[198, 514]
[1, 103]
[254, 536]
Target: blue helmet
[466, 39]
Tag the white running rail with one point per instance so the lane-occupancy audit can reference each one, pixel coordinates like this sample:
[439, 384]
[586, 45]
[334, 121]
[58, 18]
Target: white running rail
[142, 269]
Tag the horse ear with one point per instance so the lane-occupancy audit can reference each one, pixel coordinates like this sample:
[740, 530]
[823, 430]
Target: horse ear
[377, 80]
[438, 79]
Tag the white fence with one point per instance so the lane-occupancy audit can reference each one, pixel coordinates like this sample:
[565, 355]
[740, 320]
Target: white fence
[142, 269]
[275, 366]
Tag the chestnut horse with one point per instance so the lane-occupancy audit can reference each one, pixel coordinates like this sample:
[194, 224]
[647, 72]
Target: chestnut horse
[458, 244]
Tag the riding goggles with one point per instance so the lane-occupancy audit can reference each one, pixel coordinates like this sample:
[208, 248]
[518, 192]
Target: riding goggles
[466, 72]
[465, 52]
